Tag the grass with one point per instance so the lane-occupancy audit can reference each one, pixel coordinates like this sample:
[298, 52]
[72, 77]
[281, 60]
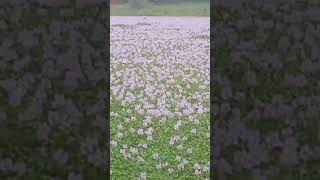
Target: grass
[179, 9]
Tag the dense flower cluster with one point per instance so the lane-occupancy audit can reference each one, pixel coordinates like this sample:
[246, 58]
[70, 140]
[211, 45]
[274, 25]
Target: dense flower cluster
[160, 98]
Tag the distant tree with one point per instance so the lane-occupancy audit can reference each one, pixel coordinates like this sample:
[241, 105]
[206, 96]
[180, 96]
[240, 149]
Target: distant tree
[164, 1]
[176, 1]
[138, 4]
[118, 1]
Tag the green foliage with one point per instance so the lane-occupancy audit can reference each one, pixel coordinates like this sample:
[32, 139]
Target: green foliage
[152, 9]
[138, 4]
[177, 1]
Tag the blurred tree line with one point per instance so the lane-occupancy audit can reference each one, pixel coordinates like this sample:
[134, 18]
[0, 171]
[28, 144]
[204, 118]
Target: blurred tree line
[177, 1]
[156, 1]
[144, 3]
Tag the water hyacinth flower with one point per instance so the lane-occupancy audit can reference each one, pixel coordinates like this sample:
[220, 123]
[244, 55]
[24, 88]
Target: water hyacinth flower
[197, 169]
[159, 98]
[132, 130]
[206, 168]
[193, 131]
[144, 145]
[114, 143]
[181, 167]
[155, 155]
[120, 135]
[149, 138]
[143, 176]
[178, 158]
[120, 126]
[140, 131]
[180, 147]
[184, 161]
[134, 150]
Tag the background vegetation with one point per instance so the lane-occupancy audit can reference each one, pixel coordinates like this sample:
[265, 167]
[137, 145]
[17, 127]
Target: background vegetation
[161, 8]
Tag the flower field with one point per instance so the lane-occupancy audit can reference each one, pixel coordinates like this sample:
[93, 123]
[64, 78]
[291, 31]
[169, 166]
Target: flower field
[160, 98]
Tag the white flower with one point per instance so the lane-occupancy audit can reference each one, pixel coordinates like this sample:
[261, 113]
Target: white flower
[120, 135]
[140, 131]
[171, 142]
[193, 131]
[149, 138]
[197, 166]
[181, 167]
[140, 159]
[170, 170]
[184, 161]
[144, 145]
[155, 155]
[120, 126]
[149, 131]
[126, 120]
[206, 168]
[114, 143]
[178, 158]
[143, 176]
[122, 151]
[197, 171]
[134, 150]
[147, 121]
[176, 127]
